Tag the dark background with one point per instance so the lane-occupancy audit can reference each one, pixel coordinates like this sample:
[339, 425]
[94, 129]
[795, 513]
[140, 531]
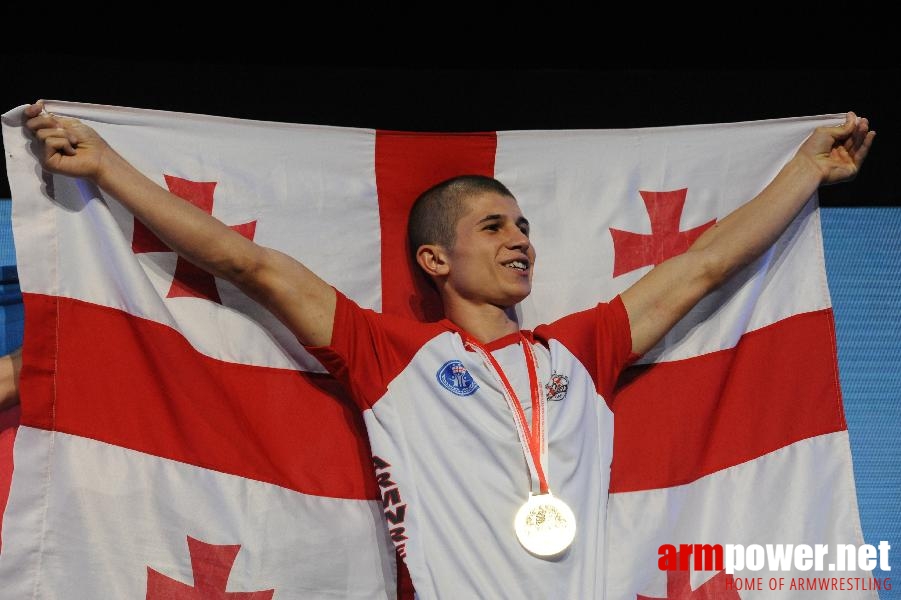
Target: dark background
[457, 95]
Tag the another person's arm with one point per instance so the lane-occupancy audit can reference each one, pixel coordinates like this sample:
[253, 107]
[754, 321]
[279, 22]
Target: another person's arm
[657, 301]
[10, 366]
[300, 299]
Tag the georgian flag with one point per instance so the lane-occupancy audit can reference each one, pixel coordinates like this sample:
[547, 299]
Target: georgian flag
[177, 442]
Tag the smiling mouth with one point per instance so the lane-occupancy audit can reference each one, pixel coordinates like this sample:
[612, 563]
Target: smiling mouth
[517, 265]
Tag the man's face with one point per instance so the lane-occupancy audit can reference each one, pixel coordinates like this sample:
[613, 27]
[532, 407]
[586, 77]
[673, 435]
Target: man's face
[492, 258]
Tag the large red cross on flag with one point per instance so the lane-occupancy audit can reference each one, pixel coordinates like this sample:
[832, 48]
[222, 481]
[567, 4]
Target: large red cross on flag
[150, 416]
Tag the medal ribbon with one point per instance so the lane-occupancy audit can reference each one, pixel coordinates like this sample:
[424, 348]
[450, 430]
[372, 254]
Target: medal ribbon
[533, 440]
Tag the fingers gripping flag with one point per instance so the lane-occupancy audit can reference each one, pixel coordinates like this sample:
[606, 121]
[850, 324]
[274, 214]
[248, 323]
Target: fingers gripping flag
[176, 440]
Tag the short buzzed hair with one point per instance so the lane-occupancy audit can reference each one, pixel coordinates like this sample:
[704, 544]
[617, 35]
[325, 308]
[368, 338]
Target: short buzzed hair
[434, 216]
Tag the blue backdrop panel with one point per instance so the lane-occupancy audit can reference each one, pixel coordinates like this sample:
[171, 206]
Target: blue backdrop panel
[12, 317]
[863, 263]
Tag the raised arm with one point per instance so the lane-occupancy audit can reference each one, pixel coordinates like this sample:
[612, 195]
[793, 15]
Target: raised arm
[658, 300]
[293, 293]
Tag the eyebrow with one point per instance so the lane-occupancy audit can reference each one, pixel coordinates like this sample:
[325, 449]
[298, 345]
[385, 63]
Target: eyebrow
[519, 221]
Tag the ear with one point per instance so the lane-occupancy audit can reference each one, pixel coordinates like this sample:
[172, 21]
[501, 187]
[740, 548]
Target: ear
[432, 259]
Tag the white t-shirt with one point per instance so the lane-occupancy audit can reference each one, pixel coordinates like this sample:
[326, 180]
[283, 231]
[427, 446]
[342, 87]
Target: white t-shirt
[447, 457]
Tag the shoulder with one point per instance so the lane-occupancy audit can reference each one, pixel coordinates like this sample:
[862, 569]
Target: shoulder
[370, 349]
[348, 311]
[611, 316]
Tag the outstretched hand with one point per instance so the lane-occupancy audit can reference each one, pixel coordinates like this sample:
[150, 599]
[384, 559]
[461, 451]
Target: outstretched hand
[69, 146]
[839, 151]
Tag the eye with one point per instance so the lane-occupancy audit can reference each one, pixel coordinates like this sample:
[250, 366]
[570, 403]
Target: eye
[493, 227]
[525, 230]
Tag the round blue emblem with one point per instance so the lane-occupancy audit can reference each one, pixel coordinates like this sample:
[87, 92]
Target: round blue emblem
[455, 378]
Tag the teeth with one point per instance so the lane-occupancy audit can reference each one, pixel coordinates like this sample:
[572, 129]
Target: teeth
[517, 264]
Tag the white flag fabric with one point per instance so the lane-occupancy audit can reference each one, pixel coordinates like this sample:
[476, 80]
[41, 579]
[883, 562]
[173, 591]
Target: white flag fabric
[177, 440]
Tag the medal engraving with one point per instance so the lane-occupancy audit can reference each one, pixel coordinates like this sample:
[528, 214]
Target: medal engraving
[545, 525]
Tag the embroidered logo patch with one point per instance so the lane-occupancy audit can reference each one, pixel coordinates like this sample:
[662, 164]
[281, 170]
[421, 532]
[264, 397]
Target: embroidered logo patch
[455, 378]
[557, 386]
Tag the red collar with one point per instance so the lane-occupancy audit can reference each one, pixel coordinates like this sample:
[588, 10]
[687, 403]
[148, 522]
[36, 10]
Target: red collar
[501, 342]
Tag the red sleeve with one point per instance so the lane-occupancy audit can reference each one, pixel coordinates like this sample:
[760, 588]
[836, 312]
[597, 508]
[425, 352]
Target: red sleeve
[369, 349]
[600, 338]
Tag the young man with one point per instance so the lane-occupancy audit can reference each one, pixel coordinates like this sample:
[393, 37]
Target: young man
[495, 492]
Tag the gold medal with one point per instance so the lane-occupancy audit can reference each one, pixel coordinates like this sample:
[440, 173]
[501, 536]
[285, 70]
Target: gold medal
[545, 525]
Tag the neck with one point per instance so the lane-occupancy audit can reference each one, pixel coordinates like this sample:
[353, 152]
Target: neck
[485, 322]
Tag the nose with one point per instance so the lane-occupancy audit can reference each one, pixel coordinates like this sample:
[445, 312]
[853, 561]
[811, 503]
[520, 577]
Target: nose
[518, 240]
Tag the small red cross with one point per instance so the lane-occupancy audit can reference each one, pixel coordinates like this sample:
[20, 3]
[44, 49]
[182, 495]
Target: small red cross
[635, 250]
[678, 587]
[211, 566]
[189, 280]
